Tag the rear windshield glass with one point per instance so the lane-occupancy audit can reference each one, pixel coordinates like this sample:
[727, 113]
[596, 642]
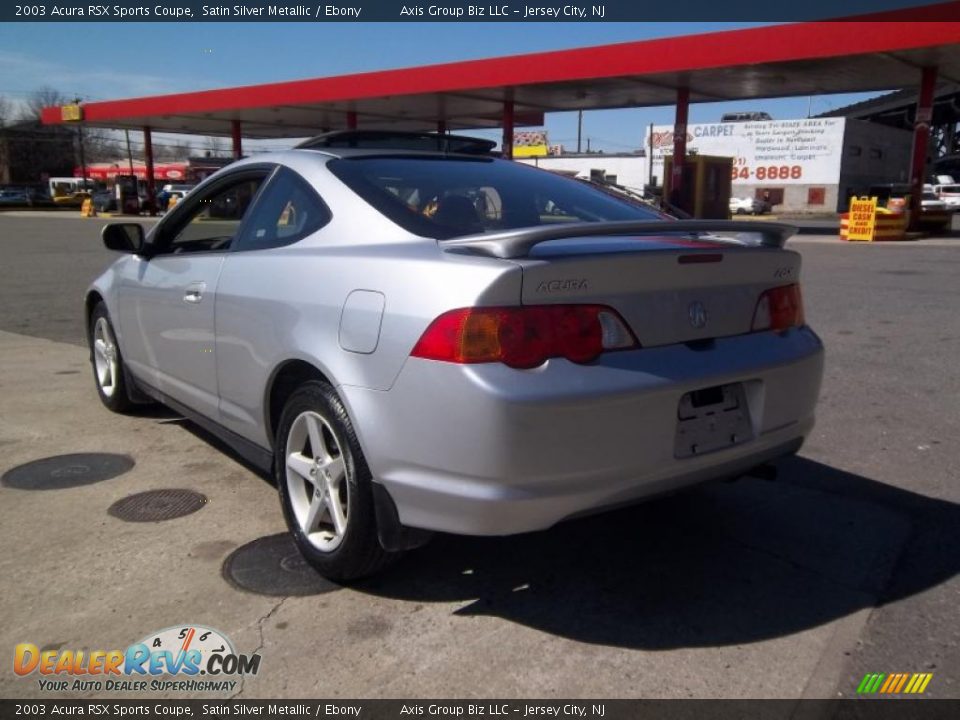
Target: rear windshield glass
[950, 188]
[443, 197]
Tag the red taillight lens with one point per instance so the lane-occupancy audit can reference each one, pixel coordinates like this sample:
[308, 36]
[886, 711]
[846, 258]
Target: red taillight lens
[778, 309]
[524, 337]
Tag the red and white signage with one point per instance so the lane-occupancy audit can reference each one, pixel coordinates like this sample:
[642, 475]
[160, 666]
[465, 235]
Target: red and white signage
[108, 171]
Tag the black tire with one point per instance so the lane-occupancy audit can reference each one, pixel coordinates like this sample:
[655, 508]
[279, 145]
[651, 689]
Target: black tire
[117, 399]
[359, 553]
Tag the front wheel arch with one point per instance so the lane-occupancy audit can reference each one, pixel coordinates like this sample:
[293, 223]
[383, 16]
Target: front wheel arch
[93, 299]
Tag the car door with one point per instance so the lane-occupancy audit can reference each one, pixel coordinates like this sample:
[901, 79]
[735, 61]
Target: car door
[166, 301]
[257, 309]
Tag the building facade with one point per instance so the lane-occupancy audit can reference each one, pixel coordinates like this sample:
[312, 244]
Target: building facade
[809, 166]
[30, 153]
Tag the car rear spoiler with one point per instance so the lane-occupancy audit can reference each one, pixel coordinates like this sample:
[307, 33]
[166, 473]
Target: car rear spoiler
[518, 243]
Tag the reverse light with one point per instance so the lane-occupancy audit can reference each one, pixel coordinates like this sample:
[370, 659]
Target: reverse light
[778, 309]
[524, 337]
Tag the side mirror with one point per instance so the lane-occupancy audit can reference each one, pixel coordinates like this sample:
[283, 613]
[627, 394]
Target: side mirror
[123, 237]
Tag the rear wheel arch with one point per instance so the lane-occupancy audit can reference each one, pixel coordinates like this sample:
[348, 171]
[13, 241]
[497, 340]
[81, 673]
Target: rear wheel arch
[288, 376]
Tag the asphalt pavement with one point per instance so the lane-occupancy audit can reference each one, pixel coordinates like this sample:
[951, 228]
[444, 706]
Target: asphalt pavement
[845, 564]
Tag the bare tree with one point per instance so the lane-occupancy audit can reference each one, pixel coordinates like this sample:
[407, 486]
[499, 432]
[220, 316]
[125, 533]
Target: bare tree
[181, 150]
[172, 152]
[102, 148]
[6, 111]
[216, 147]
[39, 99]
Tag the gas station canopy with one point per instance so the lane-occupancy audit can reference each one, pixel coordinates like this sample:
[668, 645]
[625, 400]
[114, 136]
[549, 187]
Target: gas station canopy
[766, 62]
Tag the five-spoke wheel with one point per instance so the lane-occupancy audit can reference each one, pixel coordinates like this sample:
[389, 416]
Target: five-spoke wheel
[107, 361]
[325, 485]
[316, 475]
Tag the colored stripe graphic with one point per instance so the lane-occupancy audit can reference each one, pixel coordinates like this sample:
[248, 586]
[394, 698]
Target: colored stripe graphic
[870, 683]
[894, 683]
[903, 681]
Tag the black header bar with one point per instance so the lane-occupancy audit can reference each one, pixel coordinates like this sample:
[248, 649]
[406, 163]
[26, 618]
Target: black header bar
[327, 11]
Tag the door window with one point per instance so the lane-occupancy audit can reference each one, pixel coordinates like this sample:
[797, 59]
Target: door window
[212, 219]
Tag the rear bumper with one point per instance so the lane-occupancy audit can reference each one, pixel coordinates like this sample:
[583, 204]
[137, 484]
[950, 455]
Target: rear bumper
[487, 450]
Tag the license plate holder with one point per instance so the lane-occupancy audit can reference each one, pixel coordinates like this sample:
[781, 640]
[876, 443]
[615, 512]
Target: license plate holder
[711, 419]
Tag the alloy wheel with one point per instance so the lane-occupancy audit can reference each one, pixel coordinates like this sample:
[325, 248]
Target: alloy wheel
[316, 476]
[105, 357]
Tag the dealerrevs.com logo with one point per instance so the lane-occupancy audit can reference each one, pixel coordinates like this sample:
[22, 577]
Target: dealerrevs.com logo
[188, 658]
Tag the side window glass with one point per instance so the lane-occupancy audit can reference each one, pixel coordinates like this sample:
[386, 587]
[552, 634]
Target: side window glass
[214, 222]
[287, 211]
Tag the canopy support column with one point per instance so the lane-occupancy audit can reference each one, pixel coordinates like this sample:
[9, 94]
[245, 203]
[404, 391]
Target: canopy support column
[507, 144]
[921, 138]
[148, 157]
[352, 120]
[237, 140]
[679, 144]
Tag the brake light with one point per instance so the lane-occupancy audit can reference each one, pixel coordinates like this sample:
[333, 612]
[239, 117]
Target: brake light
[524, 337]
[778, 309]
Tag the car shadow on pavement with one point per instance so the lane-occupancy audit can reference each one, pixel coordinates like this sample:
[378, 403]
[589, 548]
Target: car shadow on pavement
[723, 564]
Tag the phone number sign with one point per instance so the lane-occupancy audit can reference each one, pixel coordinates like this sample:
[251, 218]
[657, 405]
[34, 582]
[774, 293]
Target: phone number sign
[781, 152]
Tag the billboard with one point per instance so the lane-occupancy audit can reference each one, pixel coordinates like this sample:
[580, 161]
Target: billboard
[779, 152]
[530, 143]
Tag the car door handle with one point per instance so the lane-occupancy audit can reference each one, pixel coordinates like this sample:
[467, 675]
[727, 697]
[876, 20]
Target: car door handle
[194, 292]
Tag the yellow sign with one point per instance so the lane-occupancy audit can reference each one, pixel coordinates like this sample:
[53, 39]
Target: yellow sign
[87, 209]
[863, 219]
[530, 143]
[71, 113]
[526, 151]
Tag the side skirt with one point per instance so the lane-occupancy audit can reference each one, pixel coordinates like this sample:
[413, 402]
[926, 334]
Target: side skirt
[257, 456]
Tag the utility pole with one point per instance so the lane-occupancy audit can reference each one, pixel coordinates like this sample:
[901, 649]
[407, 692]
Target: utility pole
[588, 146]
[579, 128]
[83, 162]
[650, 157]
[129, 151]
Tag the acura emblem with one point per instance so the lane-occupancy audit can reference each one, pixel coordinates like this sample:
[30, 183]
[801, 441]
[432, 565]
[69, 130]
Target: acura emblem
[697, 314]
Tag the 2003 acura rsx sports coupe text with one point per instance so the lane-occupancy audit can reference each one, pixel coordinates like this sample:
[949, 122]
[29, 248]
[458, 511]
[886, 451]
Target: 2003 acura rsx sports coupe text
[413, 335]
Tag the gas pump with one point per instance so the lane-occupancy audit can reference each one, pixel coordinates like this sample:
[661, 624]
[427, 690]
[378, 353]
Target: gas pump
[705, 192]
[128, 200]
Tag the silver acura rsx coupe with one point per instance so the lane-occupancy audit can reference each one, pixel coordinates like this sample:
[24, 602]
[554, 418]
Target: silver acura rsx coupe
[412, 335]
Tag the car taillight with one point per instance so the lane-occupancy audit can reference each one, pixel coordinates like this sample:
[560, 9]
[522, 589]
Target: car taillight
[778, 309]
[524, 337]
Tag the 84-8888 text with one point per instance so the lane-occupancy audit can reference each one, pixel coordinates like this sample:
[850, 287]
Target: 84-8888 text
[768, 172]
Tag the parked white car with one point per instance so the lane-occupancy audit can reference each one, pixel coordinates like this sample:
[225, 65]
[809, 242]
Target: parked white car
[949, 194]
[748, 206]
[930, 202]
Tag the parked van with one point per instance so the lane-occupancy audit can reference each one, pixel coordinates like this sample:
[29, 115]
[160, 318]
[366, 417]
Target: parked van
[745, 117]
[71, 190]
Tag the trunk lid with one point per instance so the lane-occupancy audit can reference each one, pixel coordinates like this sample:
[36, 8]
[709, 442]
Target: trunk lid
[668, 289]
